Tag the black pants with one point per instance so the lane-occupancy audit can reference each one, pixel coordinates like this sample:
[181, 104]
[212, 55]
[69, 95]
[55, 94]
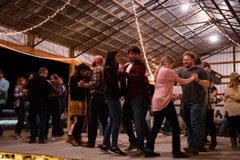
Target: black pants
[20, 115]
[97, 110]
[33, 113]
[234, 127]
[170, 113]
[210, 125]
[77, 131]
[53, 110]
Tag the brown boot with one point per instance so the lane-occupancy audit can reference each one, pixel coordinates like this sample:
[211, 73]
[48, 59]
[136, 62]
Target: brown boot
[79, 141]
[74, 143]
[69, 139]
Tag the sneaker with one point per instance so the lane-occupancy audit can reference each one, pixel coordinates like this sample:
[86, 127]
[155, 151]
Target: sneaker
[212, 146]
[191, 150]
[180, 155]
[131, 147]
[103, 148]
[118, 151]
[150, 153]
[53, 139]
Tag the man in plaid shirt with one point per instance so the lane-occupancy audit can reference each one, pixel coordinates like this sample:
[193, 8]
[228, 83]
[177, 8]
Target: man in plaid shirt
[134, 106]
[97, 105]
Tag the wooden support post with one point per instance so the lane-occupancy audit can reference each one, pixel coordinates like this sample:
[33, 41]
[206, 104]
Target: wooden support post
[71, 72]
[31, 39]
[234, 58]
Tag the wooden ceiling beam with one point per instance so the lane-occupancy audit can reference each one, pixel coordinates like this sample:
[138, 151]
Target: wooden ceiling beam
[165, 23]
[219, 10]
[232, 11]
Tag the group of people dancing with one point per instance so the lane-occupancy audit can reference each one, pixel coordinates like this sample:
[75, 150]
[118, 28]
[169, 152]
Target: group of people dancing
[109, 82]
[96, 94]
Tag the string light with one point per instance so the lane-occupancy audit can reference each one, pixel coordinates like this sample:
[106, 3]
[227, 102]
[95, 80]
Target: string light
[38, 25]
[141, 40]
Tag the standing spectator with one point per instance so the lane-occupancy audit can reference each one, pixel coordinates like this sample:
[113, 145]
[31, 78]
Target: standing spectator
[193, 99]
[135, 100]
[4, 85]
[162, 106]
[63, 104]
[38, 89]
[113, 94]
[78, 105]
[97, 106]
[20, 94]
[53, 108]
[232, 106]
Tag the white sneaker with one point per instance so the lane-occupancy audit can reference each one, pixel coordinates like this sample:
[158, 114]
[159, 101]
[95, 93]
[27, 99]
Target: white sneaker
[53, 139]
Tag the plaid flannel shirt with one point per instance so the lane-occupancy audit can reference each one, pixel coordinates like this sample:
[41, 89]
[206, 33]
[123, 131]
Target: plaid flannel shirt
[97, 84]
[135, 79]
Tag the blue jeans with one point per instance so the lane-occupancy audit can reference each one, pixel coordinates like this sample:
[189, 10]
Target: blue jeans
[114, 107]
[203, 128]
[134, 111]
[193, 114]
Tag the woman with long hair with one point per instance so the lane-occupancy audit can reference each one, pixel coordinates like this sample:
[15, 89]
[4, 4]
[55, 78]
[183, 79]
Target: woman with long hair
[78, 105]
[232, 107]
[162, 106]
[19, 100]
[113, 94]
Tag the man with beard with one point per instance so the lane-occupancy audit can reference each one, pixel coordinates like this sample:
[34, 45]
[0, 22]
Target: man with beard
[193, 99]
[134, 106]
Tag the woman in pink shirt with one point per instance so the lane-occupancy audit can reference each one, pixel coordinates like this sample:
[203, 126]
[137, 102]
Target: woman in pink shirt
[162, 106]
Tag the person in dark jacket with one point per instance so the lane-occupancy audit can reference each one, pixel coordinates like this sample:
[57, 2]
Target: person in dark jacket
[38, 89]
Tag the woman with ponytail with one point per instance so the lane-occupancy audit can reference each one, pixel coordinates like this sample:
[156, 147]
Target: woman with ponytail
[162, 106]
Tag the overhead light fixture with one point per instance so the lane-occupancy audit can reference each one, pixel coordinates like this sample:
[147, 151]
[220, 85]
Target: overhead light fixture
[185, 7]
[213, 38]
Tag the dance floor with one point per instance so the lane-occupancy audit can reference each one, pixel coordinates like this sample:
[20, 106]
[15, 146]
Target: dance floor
[11, 149]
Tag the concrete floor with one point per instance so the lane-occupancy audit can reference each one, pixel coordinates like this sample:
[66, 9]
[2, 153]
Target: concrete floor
[61, 149]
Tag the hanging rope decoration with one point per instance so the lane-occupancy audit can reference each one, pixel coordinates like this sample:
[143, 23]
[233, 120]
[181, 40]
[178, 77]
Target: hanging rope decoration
[141, 40]
[38, 25]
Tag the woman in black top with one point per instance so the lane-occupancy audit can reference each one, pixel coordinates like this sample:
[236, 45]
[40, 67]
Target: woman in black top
[112, 76]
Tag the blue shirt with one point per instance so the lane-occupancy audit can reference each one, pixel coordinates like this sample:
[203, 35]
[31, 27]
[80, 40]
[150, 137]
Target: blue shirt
[4, 85]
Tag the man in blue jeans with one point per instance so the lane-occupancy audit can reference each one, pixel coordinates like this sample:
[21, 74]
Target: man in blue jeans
[193, 99]
[135, 99]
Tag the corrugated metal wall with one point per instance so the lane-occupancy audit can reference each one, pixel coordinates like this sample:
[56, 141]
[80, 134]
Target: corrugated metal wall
[225, 56]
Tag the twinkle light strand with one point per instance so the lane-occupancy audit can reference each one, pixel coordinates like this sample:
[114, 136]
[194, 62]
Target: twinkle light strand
[38, 25]
[141, 40]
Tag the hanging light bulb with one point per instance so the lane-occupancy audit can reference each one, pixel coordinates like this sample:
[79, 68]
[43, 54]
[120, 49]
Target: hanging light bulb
[213, 38]
[185, 7]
